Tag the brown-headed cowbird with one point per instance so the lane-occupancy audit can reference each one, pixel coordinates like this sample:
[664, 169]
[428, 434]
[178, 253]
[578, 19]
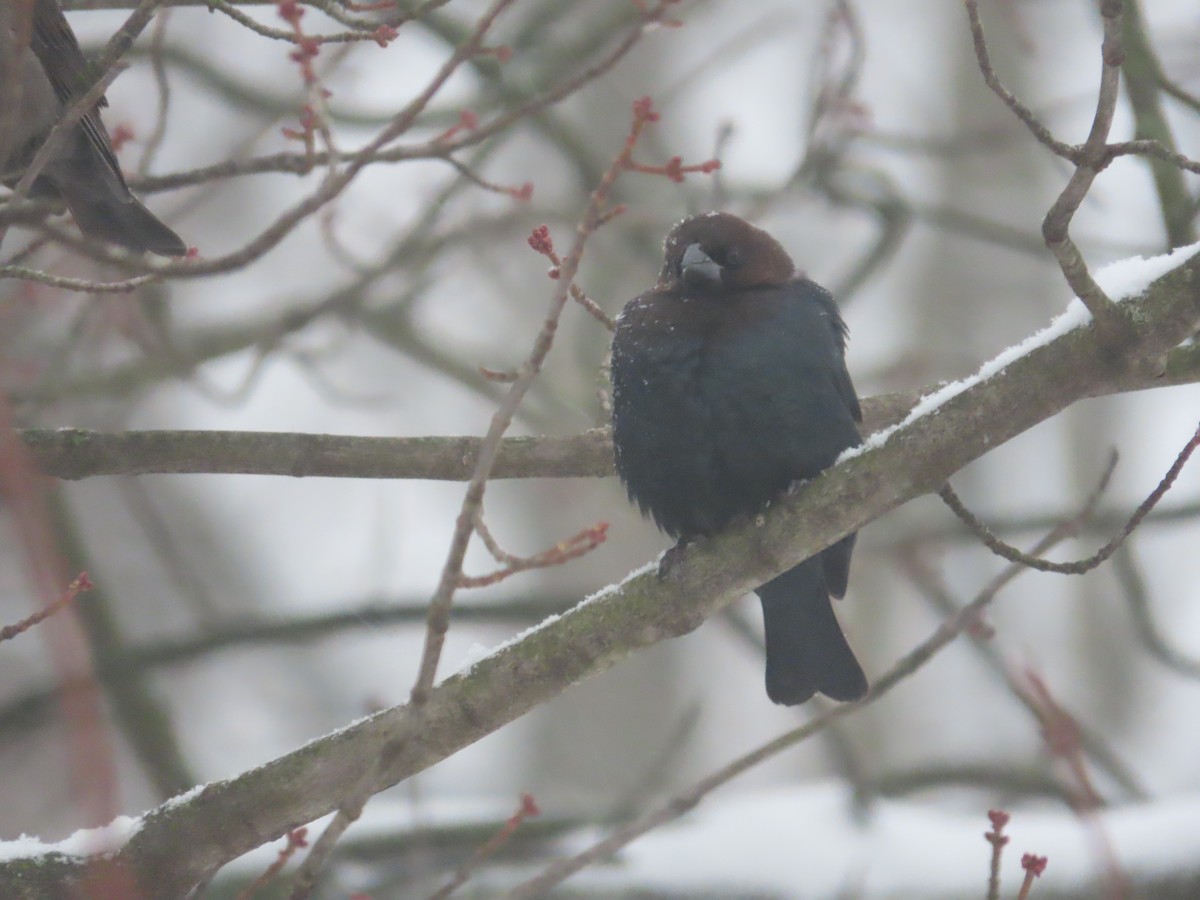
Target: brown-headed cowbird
[729, 384]
[84, 171]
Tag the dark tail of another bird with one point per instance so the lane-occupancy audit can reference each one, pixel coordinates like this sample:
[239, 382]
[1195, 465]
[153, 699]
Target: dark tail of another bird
[101, 203]
[122, 220]
[806, 650]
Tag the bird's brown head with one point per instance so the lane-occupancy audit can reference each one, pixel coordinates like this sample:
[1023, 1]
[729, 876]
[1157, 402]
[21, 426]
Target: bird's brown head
[718, 251]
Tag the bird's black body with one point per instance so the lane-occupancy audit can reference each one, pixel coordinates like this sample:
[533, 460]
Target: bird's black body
[729, 384]
[84, 171]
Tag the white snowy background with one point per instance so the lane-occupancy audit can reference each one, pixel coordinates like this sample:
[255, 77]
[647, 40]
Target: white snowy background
[891, 804]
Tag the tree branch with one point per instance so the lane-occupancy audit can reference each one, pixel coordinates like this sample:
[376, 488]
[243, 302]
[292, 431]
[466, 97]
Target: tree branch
[76, 453]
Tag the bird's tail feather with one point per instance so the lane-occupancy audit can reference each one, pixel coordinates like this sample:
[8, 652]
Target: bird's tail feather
[101, 203]
[124, 221]
[806, 650]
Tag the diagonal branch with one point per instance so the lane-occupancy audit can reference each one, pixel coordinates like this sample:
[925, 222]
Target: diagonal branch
[1081, 566]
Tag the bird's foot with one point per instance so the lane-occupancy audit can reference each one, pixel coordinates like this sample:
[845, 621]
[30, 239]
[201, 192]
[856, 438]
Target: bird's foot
[674, 557]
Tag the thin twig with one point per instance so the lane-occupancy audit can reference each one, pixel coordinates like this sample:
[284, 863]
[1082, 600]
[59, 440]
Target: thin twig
[1020, 110]
[489, 848]
[1091, 160]
[74, 589]
[297, 838]
[997, 839]
[562, 552]
[1088, 158]
[1173, 89]
[317, 858]
[1156, 150]
[1078, 567]
[1034, 866]
[82, 285]
[1061, 734]
[1133, 586]
[163, 86]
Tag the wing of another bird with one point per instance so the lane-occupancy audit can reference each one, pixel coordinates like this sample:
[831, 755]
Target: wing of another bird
[54, 40]
[56, 47]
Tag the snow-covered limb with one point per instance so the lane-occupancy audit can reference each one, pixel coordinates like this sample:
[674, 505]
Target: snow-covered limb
[83, 843]
[1122, 280]
[182, 844]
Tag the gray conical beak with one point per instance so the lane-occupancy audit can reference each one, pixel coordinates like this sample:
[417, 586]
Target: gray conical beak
[698, 269]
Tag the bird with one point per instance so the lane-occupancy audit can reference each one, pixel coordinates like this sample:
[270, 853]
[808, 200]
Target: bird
[83, 172]
[729, 384]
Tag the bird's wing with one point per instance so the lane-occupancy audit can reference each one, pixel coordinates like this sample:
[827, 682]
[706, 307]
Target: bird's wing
[778, 384]
[58, 50]
[829, 310]
[779, 387]
[56, 47]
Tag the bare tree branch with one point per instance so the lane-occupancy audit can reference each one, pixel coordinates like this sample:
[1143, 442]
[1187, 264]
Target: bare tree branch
[1078, 567]
[75, 453]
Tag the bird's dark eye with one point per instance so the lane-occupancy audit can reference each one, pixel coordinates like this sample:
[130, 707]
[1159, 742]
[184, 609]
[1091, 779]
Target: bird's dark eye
[733, 259]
